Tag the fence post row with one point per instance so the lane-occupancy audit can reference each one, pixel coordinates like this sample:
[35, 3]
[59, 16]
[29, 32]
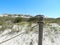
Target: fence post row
[40, 36]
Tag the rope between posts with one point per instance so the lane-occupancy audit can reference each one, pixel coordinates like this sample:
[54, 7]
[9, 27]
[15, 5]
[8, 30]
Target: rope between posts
[10, 38]
[14, 36]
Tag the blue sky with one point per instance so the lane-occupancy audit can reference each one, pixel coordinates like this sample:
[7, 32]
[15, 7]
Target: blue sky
[49, 8]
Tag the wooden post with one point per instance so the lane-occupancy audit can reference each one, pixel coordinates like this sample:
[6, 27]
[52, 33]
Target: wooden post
[40, 36]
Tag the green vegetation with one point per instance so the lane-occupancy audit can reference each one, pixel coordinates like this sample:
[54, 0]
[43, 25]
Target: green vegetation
[52, 20]
[11, 19]
[18, 19]
[32, 19]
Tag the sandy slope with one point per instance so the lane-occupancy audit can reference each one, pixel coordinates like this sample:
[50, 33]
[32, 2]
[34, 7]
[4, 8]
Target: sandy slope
[50, 36]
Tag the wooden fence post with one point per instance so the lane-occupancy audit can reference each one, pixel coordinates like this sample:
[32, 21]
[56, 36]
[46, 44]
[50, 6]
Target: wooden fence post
[40, 35]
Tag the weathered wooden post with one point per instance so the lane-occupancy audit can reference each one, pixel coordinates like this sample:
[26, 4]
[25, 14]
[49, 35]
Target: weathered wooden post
[40, 36]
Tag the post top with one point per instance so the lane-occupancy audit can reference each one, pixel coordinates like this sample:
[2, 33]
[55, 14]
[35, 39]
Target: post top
[40, 17]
